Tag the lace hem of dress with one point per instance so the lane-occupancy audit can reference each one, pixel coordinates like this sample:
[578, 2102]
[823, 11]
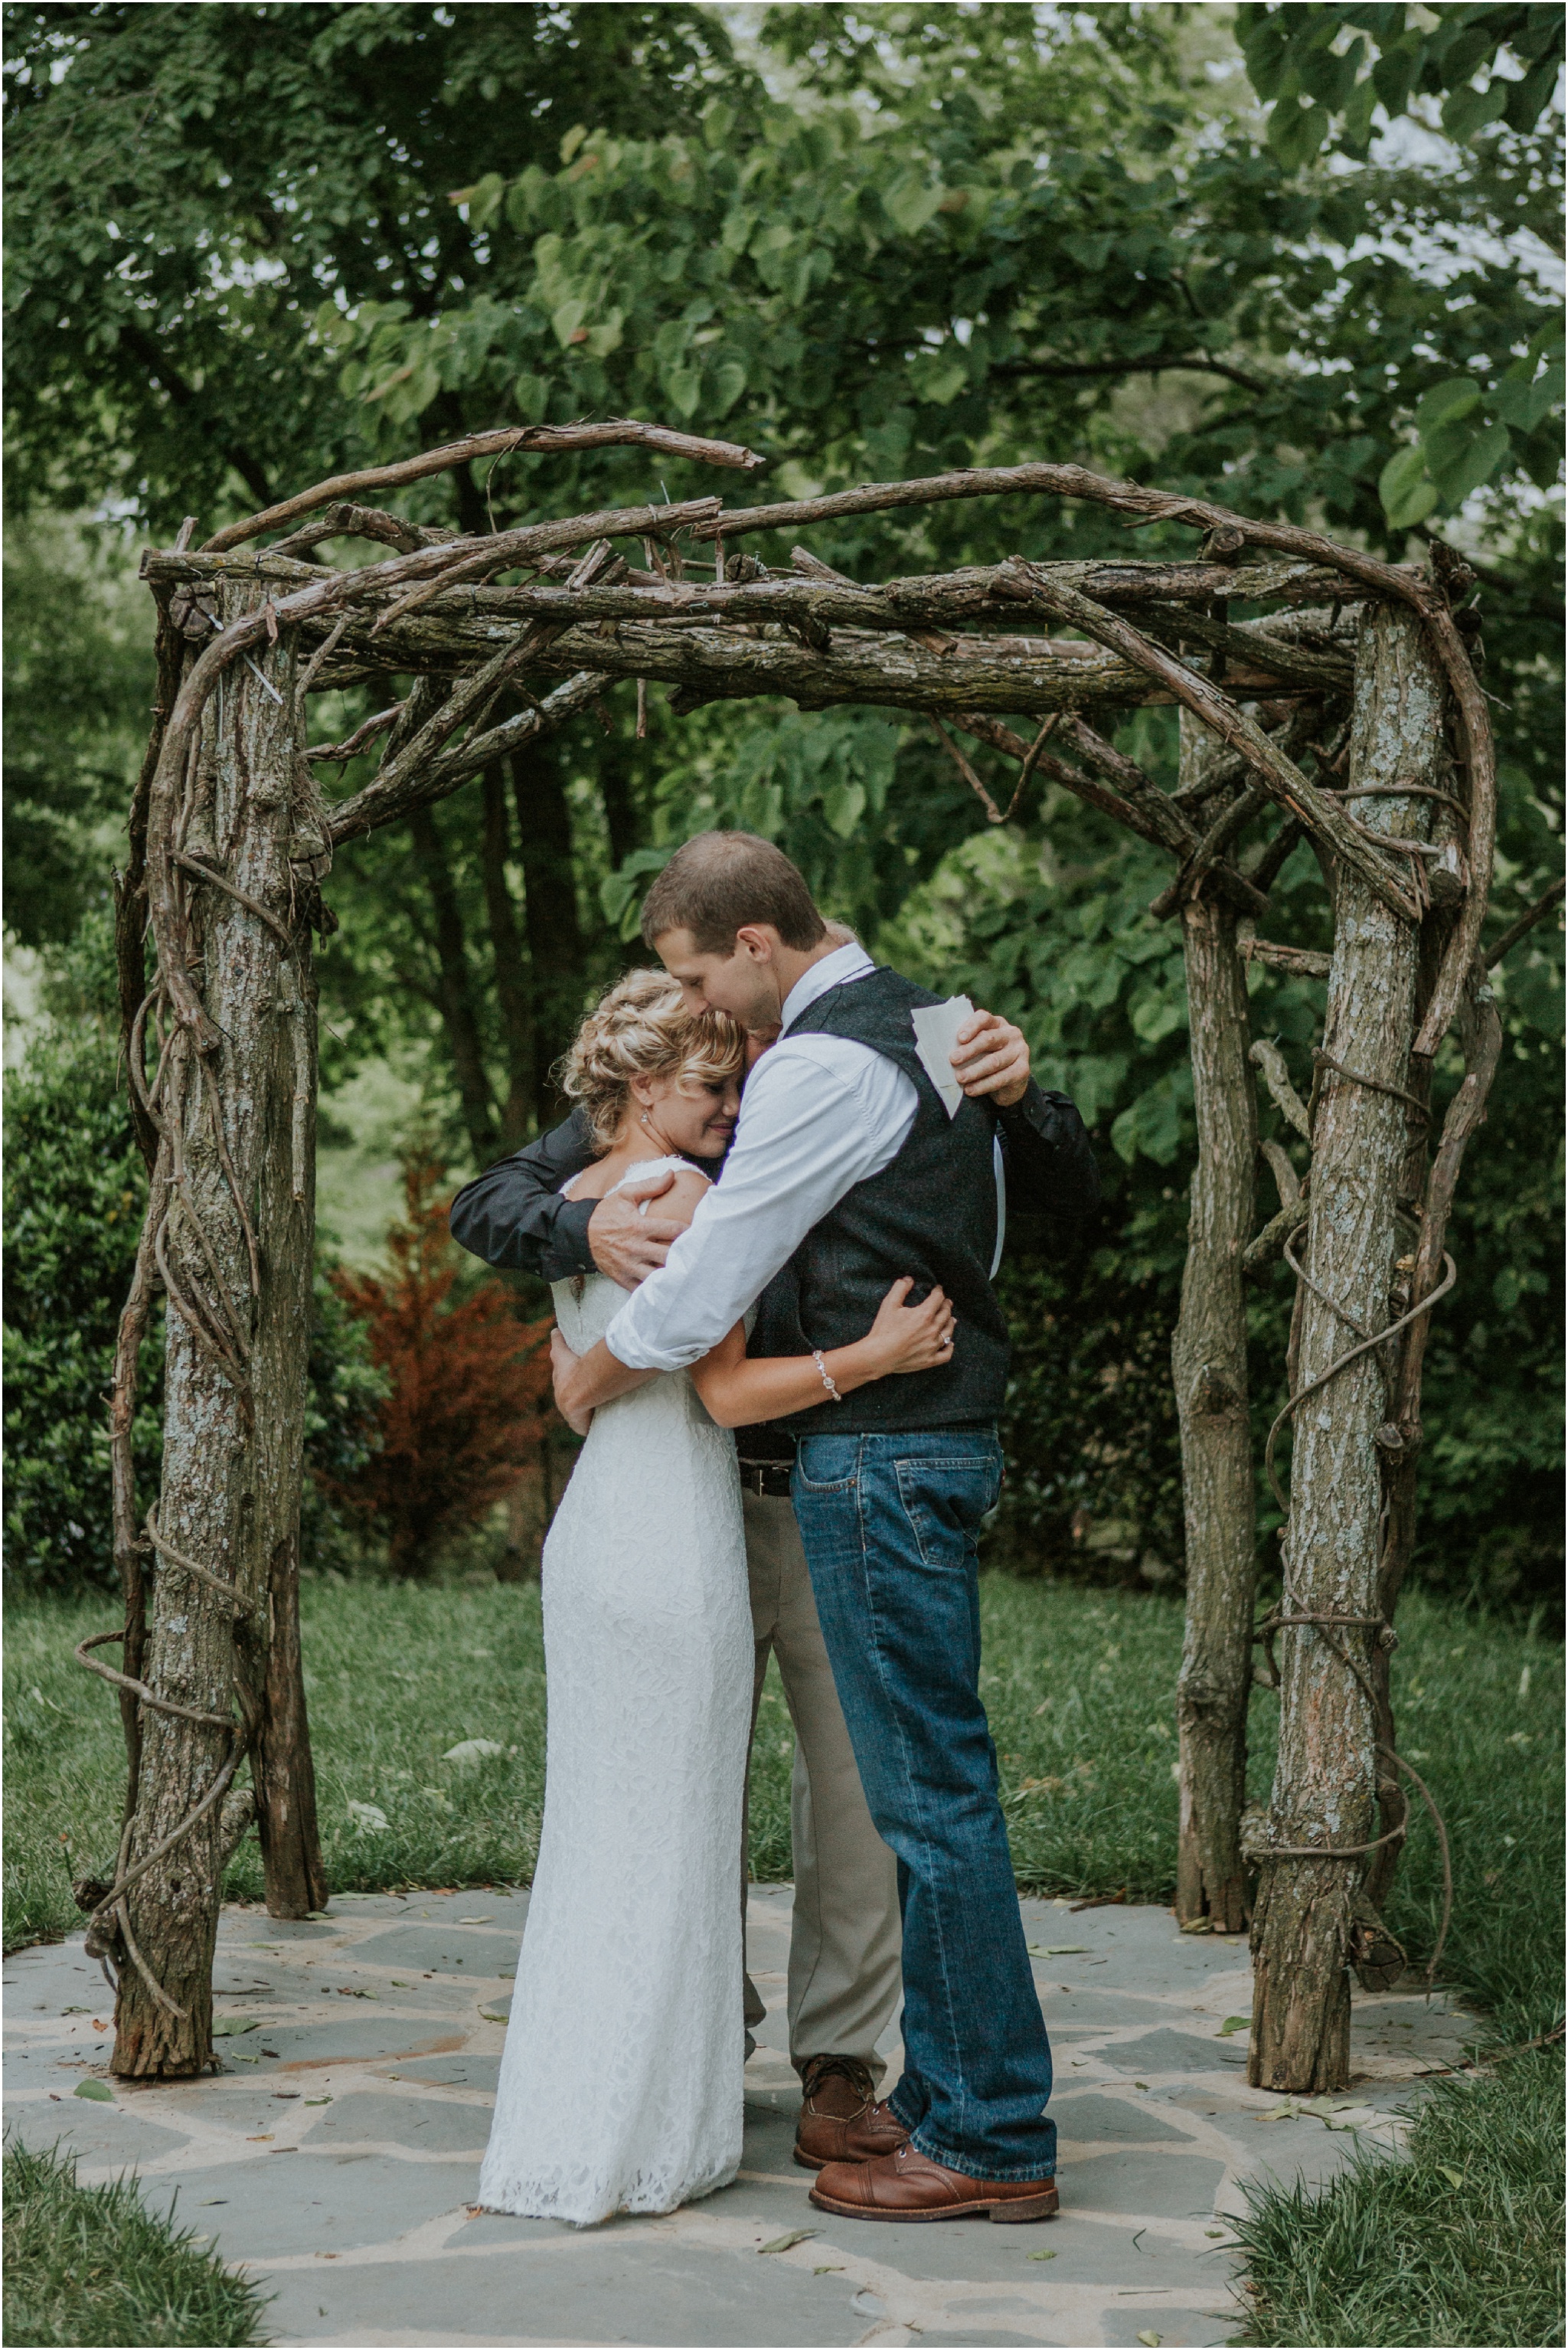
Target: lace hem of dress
[587, 2204]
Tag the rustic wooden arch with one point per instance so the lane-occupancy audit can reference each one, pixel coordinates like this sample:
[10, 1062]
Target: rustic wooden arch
[1355, 667]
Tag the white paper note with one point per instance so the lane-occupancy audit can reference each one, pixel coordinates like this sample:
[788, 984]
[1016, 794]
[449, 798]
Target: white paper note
[936, 1033]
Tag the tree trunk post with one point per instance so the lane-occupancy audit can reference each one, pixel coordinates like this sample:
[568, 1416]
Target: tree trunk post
[1326, 1782]
[1209, 1363]
[235, 1250]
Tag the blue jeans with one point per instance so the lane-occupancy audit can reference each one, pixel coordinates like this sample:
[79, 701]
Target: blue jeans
[890, 1525]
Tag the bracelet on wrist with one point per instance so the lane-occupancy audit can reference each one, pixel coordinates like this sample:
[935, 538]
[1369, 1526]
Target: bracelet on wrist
[825, 1375]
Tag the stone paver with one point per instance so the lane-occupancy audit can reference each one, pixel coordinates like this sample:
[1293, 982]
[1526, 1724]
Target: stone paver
[336, 2155]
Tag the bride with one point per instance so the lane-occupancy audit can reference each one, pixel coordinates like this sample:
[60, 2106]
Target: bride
[621, 2084]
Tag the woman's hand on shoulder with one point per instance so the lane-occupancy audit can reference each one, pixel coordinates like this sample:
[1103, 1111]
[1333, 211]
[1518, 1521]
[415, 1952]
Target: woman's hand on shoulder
[910, 1338]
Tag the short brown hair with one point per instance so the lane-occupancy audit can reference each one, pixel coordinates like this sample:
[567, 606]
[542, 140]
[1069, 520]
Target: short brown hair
[718, 882]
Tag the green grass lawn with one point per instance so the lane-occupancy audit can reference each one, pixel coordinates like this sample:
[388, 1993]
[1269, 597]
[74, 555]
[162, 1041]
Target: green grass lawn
[89, 2264]
[1079, 1685]
[1461, 2242]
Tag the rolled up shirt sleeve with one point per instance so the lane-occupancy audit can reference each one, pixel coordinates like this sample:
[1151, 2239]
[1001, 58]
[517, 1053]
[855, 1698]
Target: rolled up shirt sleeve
[819, 1115]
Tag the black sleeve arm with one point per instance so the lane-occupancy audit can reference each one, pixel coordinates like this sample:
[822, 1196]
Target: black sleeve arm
[512, 1215]
[1050, 1169]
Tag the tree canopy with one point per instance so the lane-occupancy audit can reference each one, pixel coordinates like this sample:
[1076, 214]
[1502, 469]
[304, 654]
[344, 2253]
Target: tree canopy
[1302, 265]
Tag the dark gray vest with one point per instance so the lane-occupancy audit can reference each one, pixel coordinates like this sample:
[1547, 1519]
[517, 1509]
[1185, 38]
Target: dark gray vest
[930, 1213]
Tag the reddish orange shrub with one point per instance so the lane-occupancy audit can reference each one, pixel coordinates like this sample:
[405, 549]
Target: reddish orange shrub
[469, 1401]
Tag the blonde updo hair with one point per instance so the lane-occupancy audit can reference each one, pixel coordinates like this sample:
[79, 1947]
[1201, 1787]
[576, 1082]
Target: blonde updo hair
[641, 1027]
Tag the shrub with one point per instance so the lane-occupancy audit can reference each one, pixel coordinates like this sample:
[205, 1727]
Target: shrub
[1089, 1432]
[74, 1189]
[467, 1406]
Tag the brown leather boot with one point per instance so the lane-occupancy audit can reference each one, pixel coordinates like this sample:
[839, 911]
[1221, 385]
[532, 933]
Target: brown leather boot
[839, 2119]
[905, 2185]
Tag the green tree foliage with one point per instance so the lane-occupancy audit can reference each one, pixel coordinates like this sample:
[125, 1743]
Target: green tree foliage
[186, 185]
[1348, 72]
[883, 241]
[75, 1191]
[1334, 69]
[79, 674]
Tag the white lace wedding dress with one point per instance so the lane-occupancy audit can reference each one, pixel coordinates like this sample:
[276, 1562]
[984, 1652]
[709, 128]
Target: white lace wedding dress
[621, 2083]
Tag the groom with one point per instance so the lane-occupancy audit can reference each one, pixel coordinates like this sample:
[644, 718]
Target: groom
[847, 1172]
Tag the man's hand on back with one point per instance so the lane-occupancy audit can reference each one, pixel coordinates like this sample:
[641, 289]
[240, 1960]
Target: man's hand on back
[991, 1056]
[626, 1245]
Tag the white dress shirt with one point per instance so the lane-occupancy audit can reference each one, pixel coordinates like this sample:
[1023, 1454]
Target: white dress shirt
[819, 1114]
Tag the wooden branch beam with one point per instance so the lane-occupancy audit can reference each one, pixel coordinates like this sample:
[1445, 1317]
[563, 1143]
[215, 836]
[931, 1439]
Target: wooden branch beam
[1300, 963]
[1525, 924]
[721, 666]
[1323, 673]
[540, 439]
[943, 599]
[1279, 776]
[1144, 809]
[330, 596]
[1224, 828]
[385, 801]
[1399, 582]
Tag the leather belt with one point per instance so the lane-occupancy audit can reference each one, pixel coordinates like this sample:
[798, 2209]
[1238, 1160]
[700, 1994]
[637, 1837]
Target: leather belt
[768, 1479]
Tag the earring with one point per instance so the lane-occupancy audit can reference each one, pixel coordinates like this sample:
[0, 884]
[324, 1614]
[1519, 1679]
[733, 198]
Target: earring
[642, 1118]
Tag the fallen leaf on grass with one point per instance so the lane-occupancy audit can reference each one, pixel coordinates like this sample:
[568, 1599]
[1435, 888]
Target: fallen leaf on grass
[1151, 2339]
[832, 2268]
[1041, 2256]
[473, 1750]
[96, 2091]
[1454, 2177]
[795, 2236]
[319, 2101]
[229, 2026]
[75, 2010]
[1233, 2024]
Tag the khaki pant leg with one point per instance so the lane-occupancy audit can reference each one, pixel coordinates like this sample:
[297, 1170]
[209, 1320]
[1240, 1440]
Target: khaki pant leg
[844, 1960]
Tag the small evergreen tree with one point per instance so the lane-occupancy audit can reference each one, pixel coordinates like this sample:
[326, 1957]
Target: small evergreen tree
[468, 1402]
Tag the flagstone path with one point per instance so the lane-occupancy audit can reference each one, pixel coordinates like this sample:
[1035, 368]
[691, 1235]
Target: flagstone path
[336, 2155]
